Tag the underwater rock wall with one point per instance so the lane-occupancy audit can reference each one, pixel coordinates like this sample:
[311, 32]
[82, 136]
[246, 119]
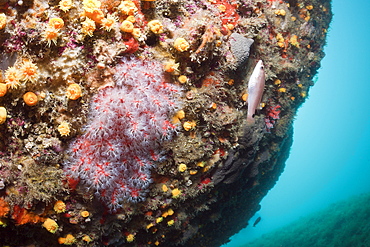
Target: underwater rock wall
[124, 123]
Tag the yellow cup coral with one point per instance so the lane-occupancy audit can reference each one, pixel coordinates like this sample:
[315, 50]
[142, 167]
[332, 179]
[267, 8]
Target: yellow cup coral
[2, 20]
[193, 172]
[164, 188]
[91, 5]
[136, 33]
[74, 91]
[56, 23]
[277, 82]
[155, 26]
[50, 225]
[64, 129]
[189, 125]
[281, 12]
[182, 167]
[88, 27]
[245, 97]
[50, 35]
[68, 240]
[65, 5]
[86, 238]
[294, 41]
[149, 225]
[126, 26]
[109, 22]
[97, 15]
[180, 114]
[222, 8]
[3, 89]
[131, 18]
[3, 114]
[3, 222]
[130, 237]
[176, 193]
[12, 77]
[85, 214]
[181, 44]
[171, 66]
[182, 79]
[159, 220]
[170, 211]
[59, 207]
[309, 7]
[127, 7]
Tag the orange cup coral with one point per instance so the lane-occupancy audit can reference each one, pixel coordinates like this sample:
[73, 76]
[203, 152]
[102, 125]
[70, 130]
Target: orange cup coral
[3, 89]
[3, 114]
[65, 5]
[56, 23]
[12, 77]
[127, 26]
[2, 20]
[29, 71]
[64, 129]
[74, 91]
[30, 98]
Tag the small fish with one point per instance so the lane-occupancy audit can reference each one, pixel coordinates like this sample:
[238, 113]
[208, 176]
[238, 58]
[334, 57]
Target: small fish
[256, 85]
[257, 221]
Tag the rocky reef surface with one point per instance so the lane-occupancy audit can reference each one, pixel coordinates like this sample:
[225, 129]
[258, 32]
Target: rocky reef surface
[124, 123]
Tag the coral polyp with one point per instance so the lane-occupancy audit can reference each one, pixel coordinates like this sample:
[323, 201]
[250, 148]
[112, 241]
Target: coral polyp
[12, 77]
[50, 35]
[3, 114]
[109, 22]
[65, 5]
[88, 27]
[30, 98]
[28, 71]
[3, 20]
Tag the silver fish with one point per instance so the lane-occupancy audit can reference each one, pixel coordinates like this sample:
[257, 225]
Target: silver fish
[256, 85]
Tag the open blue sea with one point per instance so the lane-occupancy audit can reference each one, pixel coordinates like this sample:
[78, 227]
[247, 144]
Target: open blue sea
[330, 157]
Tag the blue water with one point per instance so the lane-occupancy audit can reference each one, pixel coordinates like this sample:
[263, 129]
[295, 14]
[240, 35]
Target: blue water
[330, 156]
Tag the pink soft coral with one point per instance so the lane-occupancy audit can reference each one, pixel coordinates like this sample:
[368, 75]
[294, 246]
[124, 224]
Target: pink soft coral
[123, 138]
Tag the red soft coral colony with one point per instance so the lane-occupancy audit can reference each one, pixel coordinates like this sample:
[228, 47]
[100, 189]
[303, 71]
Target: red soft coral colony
[148, 123]
[127, 124]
